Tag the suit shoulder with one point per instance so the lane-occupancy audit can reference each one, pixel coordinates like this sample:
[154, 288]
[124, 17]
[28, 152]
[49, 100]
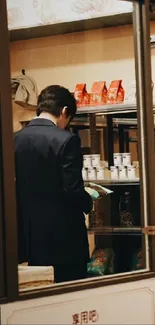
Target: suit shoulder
[64, 135]
[18, 133]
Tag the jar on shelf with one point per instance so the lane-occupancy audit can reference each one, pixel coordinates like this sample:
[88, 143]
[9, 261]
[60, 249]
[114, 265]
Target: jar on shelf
[87, 161]
[114, 172]
[85, 174]
[117, 159]
[126, 159]
[96, 160]
[122, 173]
[91, 173]
[125, 210]
[131, 172]
[100, 173]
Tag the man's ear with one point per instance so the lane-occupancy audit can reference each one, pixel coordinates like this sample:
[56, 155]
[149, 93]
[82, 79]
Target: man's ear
[64, 111]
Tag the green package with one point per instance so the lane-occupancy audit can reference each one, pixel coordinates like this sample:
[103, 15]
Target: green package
[101, 262]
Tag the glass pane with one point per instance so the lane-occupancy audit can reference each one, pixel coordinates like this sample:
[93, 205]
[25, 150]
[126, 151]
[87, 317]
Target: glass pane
[53, 231]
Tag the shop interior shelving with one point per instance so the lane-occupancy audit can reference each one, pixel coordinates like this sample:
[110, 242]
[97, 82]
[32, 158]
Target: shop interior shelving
[111, 115]
[121, 116]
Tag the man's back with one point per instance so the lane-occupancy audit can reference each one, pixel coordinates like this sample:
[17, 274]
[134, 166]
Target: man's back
[50, 195]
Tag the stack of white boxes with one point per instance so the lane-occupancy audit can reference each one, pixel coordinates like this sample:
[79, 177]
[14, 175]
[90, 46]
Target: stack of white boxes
[123, 168]
[93, 167]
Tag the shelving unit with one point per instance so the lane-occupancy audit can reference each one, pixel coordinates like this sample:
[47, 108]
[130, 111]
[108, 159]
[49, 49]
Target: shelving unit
[111, 115]
[111, 233]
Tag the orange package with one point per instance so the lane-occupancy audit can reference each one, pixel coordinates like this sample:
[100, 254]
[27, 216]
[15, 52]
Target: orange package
[115, 92]
[81, 95]
[98, 95]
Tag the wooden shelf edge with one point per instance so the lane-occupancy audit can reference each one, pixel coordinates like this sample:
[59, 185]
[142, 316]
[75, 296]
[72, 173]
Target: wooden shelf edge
[121, 19]
[115, 230]
[111, 182]
[70, 27]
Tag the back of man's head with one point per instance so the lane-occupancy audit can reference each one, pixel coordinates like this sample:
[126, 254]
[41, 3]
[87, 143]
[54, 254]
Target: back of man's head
[54, 98]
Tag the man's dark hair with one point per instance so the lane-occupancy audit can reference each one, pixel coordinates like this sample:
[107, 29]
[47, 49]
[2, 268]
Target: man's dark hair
[54, 98]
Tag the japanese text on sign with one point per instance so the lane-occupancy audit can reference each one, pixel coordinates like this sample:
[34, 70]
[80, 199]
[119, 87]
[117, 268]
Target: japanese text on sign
[85, 317]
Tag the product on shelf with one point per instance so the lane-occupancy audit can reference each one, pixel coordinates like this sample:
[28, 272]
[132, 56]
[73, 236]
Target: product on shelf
[101, 213]
[85, 174]
[90, 165]
[125, 210]
[92, 192]
[81, 95]
[101, 262]
[136, 164]
[117, 159]
[114, 172]
[131, 170]
[87, 161]
[137, 260]
[100, 173]
[115, 92]
[123, 168]
[122, 172]
[92, 173]
[30, 277]
[98, 95]
[95, 160]
[126, 159]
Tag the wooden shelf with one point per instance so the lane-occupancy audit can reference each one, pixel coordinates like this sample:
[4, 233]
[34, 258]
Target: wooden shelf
[111, 182]
[109, 109]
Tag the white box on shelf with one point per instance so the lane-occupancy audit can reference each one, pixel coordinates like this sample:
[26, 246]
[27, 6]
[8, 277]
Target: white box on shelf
[85, 173]
[92, 173]
[95, 160]
[122, 172]
[114, 172]
[100, 173]
[131, 172]
[126, 159]
[117, 159]
[87, 161]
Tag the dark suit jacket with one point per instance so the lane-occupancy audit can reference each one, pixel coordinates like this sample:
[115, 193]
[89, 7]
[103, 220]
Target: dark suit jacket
[50, 195]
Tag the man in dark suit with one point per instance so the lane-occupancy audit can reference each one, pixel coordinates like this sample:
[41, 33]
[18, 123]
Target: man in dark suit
[51, 197]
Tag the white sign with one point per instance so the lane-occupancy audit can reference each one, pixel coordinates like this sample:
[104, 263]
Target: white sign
[130, 303]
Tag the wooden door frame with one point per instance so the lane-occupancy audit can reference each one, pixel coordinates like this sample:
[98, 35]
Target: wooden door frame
[8, 200]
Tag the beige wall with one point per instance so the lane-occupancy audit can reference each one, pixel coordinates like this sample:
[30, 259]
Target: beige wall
[80, 57]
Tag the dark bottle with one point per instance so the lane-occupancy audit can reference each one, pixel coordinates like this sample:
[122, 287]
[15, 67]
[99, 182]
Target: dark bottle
[125, 210]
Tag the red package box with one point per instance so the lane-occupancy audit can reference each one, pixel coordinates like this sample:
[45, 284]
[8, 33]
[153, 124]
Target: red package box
[98, 95]
[81, 95]
[115, 92]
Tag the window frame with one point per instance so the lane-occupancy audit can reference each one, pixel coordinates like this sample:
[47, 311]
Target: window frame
[8, 202]
[140, 18]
